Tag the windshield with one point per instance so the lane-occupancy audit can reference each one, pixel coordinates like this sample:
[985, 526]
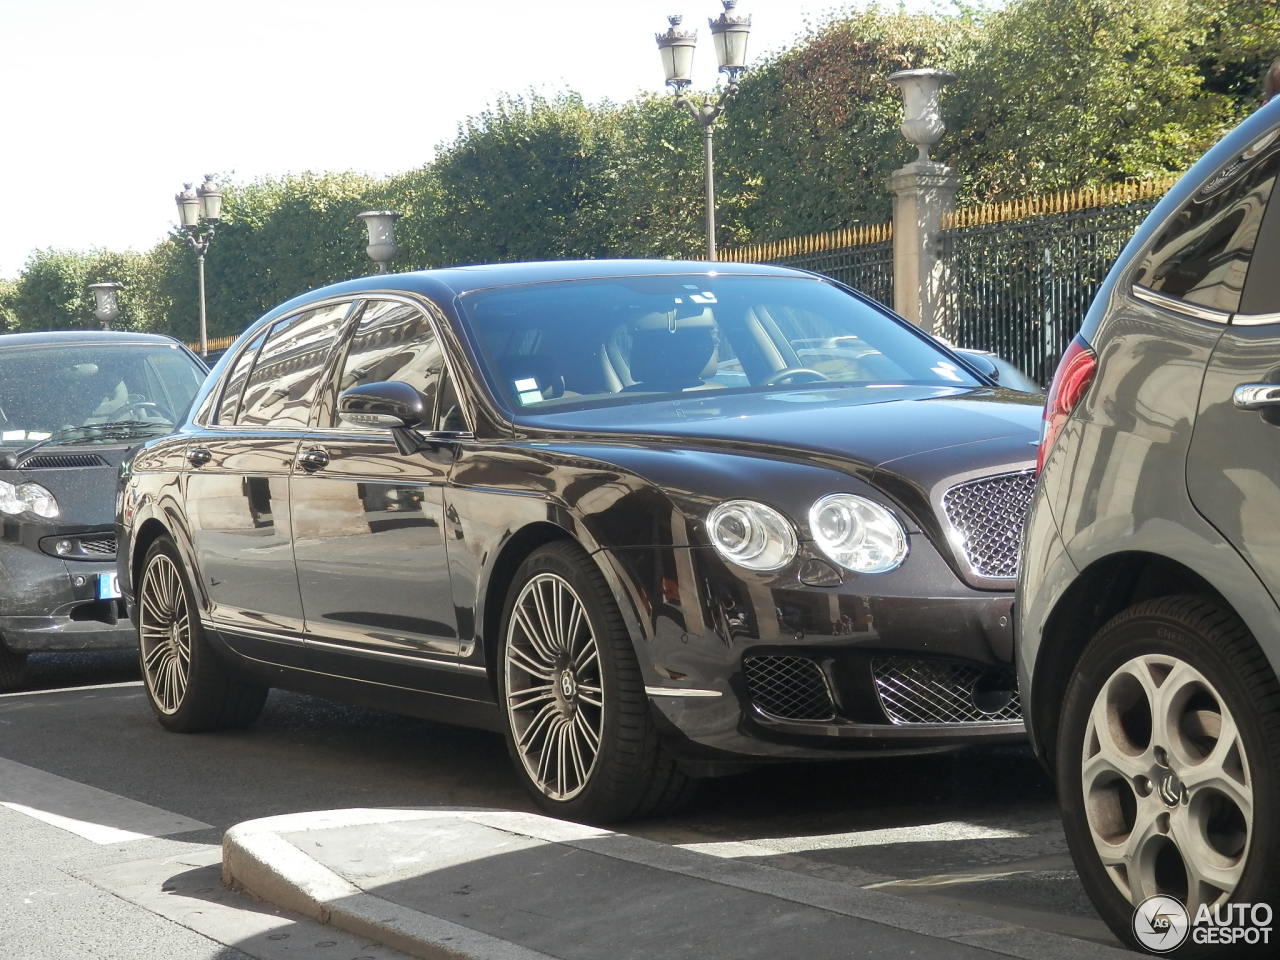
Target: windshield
[587, 343]
[87, 393]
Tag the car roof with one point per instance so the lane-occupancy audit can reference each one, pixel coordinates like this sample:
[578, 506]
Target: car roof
[45, 338]
[449, 282]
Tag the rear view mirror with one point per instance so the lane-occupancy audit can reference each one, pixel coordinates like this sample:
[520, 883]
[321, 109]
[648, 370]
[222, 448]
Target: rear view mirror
[388, 403]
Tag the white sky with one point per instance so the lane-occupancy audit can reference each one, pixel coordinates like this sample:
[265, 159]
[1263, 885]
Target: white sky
[108, 106]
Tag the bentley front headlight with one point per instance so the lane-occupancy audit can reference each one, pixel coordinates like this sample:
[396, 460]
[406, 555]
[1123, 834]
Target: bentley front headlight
[751, 535]
[857, 533]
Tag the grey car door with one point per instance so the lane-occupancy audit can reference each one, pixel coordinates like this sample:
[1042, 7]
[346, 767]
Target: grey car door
[1233, 468]
[368, 521]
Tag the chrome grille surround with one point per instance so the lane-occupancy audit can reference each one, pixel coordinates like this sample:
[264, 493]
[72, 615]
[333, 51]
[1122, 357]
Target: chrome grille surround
[789, 688]
[913, 691]
[986, 517]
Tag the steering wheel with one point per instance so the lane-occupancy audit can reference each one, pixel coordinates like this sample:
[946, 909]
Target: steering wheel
[132, 405]
[788, 374]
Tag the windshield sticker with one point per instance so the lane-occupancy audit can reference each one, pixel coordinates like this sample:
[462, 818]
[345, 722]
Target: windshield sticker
[527, 391]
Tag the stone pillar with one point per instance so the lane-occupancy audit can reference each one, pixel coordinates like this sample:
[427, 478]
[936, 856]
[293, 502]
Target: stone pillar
[924, 191]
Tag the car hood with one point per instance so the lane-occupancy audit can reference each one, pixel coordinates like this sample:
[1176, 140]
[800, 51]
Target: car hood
[865, 427]
[85, 494]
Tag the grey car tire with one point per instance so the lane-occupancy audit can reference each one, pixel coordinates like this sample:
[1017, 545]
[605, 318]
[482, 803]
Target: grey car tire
[13, 668]
[1168, 763]
[189, 689]
[578, 721]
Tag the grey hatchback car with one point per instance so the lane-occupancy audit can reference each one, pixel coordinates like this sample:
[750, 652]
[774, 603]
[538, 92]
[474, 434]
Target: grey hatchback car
[1146, 612]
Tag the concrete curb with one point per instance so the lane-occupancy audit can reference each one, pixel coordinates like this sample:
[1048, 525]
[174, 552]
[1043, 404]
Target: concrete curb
[260, 858]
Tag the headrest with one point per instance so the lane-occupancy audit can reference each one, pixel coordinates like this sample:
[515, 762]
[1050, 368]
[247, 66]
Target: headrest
[675, 357]
[533, 374]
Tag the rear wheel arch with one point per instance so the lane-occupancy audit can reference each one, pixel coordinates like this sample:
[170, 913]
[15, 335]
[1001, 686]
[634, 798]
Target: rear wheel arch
[1102, 590]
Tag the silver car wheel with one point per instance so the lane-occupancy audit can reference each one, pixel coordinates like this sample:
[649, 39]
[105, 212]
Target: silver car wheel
[164, 632]
[554, 691]
[1166, 784]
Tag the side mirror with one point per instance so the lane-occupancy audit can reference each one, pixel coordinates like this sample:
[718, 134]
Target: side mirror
[388, 403]
[983, 363]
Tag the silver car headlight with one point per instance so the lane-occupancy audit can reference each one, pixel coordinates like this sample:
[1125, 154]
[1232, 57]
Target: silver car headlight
[27, 498]
[751, 535]
[857, 533]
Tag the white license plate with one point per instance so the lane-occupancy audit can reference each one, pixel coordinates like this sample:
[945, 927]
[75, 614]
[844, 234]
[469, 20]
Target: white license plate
[108, 586]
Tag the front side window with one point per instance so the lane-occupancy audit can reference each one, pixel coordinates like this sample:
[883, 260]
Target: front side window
[286, 378]
[586, 343]
[1203, 253]
[393, 341]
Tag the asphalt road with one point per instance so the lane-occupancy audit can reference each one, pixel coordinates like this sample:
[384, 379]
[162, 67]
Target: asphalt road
[976, 831]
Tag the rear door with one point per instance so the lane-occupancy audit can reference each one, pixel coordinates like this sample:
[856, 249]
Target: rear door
[368, 521]
[1233, 469]
[237, 491]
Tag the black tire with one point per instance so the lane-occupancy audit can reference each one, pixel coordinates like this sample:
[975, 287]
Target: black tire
[1185, 631]
[210, 698]
[13, 668]
[633, 775]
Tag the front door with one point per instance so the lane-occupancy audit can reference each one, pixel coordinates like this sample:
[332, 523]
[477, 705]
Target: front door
[368, 522]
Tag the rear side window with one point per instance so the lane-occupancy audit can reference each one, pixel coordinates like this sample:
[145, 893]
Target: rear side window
[1203, 254]
[235, 382]
[285, 379]
[394, 341]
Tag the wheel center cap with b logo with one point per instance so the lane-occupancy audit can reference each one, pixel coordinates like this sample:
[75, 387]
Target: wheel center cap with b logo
[568, 686]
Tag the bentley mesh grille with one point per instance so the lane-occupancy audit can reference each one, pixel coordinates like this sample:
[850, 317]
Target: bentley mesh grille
[938, 691]
[988, 514]
[789, 688]
[54, 461]
[103, 546]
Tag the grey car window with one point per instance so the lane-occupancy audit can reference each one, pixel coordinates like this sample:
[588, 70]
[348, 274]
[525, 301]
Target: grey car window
[1202, 255]
[286, 377]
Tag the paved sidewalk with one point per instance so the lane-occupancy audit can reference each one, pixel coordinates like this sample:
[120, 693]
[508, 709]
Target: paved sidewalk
[500, 885]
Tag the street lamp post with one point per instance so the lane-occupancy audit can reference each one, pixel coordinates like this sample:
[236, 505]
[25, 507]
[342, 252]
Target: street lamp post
[198, 214]
[106, 306]
[729, 33]
[381, 225]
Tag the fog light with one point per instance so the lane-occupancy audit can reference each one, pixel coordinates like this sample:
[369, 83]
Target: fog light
[63, 547]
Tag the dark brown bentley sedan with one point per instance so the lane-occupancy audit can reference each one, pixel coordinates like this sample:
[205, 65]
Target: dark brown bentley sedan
[651, 520]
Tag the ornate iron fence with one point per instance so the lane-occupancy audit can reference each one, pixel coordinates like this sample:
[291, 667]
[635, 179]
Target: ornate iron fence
[862, 257]
[1018, 278]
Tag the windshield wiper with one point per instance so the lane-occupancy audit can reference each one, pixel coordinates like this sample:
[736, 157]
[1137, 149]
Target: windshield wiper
[107, 430]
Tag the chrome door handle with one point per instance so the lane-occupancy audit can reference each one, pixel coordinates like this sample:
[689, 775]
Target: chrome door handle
[313, 459]
[198, 456]
[1256, 396]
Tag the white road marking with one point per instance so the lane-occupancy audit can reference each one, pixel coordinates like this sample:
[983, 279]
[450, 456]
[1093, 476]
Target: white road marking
[86, 811]
[924, 833]
[95, 686]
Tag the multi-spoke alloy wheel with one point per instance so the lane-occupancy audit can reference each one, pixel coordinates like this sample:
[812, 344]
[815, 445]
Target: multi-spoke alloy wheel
[164, 633]
[1166, 783]
[1168, 764]
[189, 688]
[579, 724]
[554, 691]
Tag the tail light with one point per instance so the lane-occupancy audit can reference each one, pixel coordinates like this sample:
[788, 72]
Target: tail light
[1070, 381]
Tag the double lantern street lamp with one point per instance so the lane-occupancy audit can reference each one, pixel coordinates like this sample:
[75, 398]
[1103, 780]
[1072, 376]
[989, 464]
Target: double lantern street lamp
[198, 214]
[729, 33]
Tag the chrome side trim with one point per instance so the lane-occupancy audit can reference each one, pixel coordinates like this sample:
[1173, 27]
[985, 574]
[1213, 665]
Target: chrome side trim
[1179, 306]
[1254, 319]
[680, 692]
[279, 637]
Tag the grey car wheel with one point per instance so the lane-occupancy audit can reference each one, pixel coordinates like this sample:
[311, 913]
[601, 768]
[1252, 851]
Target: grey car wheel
[1168, 763]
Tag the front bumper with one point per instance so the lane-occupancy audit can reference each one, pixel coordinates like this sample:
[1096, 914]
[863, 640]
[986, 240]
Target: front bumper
[48, 604]
[769, 666]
